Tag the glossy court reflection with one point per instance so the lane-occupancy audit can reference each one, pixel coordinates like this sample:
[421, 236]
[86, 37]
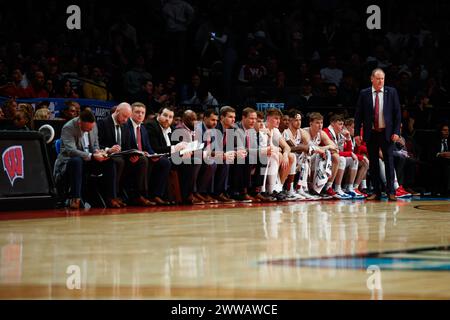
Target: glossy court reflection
[306, 250]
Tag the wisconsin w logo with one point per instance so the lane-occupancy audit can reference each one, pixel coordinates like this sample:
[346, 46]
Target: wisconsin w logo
[13, 163]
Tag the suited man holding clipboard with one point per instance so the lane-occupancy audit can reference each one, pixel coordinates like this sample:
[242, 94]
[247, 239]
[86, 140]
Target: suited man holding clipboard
[114, 137]
[158, 167]
[378, 113]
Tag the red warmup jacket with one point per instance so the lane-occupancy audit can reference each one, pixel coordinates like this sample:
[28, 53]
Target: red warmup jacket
[348, 145]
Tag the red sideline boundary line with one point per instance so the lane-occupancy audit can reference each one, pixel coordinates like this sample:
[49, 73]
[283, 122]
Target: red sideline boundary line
[66, 213]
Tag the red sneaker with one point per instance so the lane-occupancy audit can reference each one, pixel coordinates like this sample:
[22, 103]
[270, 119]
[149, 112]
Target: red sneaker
[401, 193]
[360, 193]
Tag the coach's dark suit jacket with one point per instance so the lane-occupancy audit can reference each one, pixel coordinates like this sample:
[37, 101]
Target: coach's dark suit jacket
[107, 134]
[365, 112]
[156, 137]
[158, 171]
[144, 138]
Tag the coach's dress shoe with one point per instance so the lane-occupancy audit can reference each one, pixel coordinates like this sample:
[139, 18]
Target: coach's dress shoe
[191, 200]
[113, 203]
[74, 203]
[143, 202]
[210, 199]
[263, 198]
[245, 198]
[159, 201]
[200, 197]
[120, 201]
[392, 197]
[223, 198]
[374, 196]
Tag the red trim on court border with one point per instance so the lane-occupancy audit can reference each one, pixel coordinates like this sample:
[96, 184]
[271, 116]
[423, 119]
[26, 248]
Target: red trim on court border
[66, 213]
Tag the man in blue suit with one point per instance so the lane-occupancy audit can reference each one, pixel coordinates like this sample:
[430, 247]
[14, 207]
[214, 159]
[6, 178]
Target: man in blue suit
[158, 167]
[378, 113]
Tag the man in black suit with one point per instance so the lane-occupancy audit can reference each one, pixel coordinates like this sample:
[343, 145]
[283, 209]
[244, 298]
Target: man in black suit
[160, 132]
[378, 112]
[114, 136]
[440, 158]
[158, 167]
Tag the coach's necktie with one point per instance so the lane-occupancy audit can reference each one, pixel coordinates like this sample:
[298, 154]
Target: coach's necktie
[138, 138]
[118, 135]
[444, 145]
[376, 112]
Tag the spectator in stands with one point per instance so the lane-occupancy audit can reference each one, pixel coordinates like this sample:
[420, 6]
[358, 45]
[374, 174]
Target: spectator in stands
[253, 71]
[9, 109]
[422, 114]
[2, 115]
[189, 91]
[95, 87]
[145, 96]
[76, 105]
[348, 91]
[331, 74]
[15, 88]
[178, 15]
[42, 114]
[65, 90]
[28, 112]
[405, 164]
[69, 112]
[20, 122]
[203, 98]
[38, 89]
[317, 85]
[171, 83]
[136, 76]
[440, 156]
[160, 97]
[331, 98]
[50, 88]
[306, 99]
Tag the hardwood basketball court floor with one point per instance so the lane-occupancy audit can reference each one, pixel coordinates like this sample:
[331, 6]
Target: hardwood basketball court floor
[291, 250]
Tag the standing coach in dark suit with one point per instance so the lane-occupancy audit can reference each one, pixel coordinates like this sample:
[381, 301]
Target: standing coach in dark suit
[378, 113]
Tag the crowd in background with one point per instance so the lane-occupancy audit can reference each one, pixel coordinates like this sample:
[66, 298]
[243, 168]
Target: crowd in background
[312, 56]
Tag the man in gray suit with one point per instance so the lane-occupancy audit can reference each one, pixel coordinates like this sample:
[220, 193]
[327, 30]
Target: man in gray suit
[80, 153]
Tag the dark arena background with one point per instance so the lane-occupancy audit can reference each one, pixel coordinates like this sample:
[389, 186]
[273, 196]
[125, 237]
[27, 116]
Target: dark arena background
[73, 225]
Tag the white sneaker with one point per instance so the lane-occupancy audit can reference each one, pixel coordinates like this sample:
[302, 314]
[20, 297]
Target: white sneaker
[307, 195]
[342, 195]
[353, 194]
[293, 196]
